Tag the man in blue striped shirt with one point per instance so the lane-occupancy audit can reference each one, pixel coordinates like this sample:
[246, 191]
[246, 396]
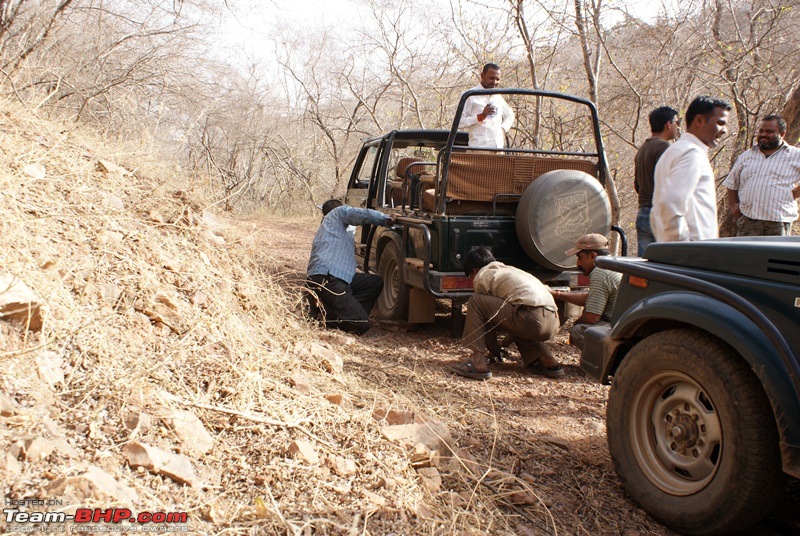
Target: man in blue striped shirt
[346, 297]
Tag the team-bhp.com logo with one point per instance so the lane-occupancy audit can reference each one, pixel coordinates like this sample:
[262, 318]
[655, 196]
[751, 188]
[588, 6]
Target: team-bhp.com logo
[86, 520]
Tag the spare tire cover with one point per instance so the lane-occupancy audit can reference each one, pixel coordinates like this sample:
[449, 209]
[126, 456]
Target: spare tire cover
[555, 210]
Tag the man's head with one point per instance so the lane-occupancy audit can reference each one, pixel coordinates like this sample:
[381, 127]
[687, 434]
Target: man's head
[771, 132]
[490, 76]
[587, 249]
[664, 122]
[329, 205]
[476, 259]
[707, 118]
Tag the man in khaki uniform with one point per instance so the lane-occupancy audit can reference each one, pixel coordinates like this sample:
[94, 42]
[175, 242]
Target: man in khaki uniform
[510, 299]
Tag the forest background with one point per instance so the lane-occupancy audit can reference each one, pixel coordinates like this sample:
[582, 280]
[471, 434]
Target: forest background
[262, 104]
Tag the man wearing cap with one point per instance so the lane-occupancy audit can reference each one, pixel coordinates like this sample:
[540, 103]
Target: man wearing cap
[598, 302]
[346, 297]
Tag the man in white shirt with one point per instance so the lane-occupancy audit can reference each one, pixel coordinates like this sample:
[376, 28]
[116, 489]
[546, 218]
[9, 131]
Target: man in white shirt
[487, 117]
[684, 193]
[764, 183]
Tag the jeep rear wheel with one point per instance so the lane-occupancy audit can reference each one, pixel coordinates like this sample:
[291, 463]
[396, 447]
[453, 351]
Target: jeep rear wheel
[691, 434]
[555, 210]
[393, 301]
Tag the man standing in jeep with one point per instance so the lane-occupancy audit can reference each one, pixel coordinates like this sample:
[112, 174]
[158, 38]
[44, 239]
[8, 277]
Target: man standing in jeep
[487, 117]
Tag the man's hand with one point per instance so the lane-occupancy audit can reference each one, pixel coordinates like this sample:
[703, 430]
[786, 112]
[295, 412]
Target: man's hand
[488, 110]
[734, 208]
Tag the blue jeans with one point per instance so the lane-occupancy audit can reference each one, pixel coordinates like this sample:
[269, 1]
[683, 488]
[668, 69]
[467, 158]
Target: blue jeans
[644, 234]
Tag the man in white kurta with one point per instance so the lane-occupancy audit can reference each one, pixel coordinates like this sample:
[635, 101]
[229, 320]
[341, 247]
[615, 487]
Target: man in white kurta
[487, 117]
[684, 192]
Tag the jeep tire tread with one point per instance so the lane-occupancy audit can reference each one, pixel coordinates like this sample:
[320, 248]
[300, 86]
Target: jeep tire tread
[692, 436]
[394, 299]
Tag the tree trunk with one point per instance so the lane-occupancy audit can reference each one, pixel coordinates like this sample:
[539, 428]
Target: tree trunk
[791, 113]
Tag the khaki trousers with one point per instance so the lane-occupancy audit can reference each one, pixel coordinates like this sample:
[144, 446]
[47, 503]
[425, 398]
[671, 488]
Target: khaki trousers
[528, 326]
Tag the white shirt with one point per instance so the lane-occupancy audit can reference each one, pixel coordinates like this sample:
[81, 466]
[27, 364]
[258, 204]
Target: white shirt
[491, 131]
[684, 193]
[765, 183]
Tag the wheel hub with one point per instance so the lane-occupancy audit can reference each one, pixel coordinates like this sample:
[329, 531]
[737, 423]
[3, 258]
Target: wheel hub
[684, 431]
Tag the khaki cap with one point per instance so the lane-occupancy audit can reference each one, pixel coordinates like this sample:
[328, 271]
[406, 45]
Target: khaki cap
[589, 242]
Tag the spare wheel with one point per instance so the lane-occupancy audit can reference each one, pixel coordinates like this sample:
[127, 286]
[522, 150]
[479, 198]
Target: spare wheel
[555, 210]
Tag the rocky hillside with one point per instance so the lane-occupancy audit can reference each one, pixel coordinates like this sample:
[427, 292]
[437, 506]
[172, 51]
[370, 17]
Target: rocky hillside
[155, 359]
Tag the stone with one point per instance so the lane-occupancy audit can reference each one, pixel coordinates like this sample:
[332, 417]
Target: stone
[35, 171]
[190, 430]
[213, 237]
[334, 398]
[19, 304]
[374, 498]
[300, 382]
[49, 367]
[555, 441]
[94, 483]
[37, 448]
[433, 435]
[329, 360]
[431, 479]
[112, 201]
[9, 464]
[159, 461]
[424, 457]
[110, 237]
[8, 408]
[137, 421]
[394, 416]
[303, 450]
[342, 466]
[105, 166]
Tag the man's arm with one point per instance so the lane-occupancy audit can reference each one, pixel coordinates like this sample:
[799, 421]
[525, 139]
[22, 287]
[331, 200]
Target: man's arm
[362, 216]
[575, 298]
[471, 114]
[508, 116]
[732, 183]
[733, 202]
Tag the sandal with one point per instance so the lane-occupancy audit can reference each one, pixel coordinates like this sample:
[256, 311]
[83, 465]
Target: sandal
[467, 370]
[556, 371]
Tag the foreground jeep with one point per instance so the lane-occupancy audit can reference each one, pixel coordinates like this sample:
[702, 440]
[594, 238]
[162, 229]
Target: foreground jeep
[527, 202]
[703, 414]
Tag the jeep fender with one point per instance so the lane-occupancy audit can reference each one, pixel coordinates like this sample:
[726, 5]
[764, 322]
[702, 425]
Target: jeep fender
[727, 324]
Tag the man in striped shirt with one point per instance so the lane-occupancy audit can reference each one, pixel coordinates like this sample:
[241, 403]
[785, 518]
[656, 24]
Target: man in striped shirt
[764, 183]
[598, 302]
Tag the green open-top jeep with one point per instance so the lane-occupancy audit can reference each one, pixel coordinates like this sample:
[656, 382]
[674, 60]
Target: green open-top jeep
[528, 202]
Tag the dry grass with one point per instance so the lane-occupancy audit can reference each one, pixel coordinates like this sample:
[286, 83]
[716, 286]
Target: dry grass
[148, 311]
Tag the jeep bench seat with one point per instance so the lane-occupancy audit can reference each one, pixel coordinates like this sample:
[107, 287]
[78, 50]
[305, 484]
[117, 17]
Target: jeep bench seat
[402, 171]
[475, 179]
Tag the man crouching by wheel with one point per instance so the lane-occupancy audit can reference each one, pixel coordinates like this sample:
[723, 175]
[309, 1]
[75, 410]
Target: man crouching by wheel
[510, 299]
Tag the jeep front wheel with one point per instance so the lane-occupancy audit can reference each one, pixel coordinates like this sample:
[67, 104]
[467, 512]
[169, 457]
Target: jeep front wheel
[691, 434]
[393, 301]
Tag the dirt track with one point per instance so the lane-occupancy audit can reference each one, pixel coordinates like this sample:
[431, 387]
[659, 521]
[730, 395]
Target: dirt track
[552, 432]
